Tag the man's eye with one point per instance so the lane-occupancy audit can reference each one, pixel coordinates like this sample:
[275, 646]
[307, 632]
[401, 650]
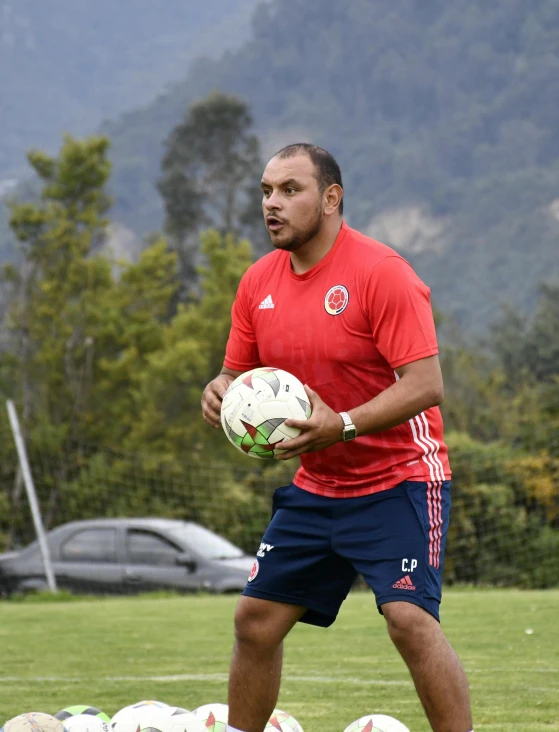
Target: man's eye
[290, 190]
[266, 193]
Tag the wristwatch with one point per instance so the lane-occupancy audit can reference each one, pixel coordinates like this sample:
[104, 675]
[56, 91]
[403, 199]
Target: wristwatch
[349, 431]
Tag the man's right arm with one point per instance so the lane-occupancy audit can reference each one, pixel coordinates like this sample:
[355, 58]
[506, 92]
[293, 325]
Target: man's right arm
[213, 395]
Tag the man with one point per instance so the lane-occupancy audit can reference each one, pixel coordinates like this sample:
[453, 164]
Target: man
[349, 317]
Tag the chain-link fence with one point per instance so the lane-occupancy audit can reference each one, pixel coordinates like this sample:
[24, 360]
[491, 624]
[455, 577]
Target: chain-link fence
[499, 534]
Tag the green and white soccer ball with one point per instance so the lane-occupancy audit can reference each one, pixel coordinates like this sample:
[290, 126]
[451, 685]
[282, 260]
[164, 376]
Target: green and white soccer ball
[376, 723]
[34, 722]
[85, 723]
[131, 717]
[282, 722]
[81, 709]
[178, 721]
[255, 407]
[213, 716]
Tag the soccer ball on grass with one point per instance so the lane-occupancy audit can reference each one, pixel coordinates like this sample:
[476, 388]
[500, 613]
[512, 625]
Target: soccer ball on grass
[131, 717]
[33, 722]
[179, 720]
[85, 723]
[213, 716]
[282, 722]
[81, 709]
[376, 723]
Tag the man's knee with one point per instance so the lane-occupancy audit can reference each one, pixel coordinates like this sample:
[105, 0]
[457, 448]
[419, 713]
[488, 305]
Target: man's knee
[264, 623]
[409, 625]
[251, 620]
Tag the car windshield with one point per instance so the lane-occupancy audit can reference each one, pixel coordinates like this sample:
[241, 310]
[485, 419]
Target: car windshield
[206, 543]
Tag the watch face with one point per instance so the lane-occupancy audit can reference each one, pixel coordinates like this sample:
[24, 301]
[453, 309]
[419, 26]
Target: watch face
[349, 433]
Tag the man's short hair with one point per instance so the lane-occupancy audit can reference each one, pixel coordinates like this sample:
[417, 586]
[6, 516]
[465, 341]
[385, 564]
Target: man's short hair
[327, 169]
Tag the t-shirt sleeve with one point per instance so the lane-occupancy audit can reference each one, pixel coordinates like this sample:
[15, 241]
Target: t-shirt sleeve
[241, 352]
[399, 309]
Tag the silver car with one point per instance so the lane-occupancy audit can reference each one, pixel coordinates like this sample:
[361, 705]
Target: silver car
[129, 555]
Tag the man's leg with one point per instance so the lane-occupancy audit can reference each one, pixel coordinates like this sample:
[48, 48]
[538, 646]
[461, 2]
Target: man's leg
[436, 670]
[255, 675]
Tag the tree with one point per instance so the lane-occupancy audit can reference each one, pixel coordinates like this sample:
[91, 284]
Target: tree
[528, 355]
[541, 348]
[80, 330]
[504, 509]
[211, 170]
[61, 279]
[84, 333]
[130, 332]
[193, 344]
[474, 400]
[57, 292]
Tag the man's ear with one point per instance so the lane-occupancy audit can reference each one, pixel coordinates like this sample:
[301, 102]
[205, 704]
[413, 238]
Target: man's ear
[333, 196]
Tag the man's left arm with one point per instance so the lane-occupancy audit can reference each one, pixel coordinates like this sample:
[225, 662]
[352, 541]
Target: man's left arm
[419, 387]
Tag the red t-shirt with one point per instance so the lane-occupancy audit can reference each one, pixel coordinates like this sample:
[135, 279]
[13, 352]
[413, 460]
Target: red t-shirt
[342, 328]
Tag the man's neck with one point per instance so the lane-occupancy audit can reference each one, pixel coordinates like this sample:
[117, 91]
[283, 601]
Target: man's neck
[310, 254]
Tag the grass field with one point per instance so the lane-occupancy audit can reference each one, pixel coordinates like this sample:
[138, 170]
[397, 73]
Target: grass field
[113, 652]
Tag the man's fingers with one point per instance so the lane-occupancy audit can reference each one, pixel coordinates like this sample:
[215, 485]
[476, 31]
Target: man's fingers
[299, 424]
[313, 396]
[288, 454]
[217, 392]
[213, 397]
[293, 445]
[286, 445]
[211, 407]
[211, 420]
[212, 416]
[211, 402]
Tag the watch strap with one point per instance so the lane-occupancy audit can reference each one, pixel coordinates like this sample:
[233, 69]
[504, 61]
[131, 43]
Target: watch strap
[349, 431]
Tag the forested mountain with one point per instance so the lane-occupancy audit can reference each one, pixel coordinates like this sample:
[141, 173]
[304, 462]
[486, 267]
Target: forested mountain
[69, 65]
[443, 117]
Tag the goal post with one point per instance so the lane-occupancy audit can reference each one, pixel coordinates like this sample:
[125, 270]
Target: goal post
[31, 495]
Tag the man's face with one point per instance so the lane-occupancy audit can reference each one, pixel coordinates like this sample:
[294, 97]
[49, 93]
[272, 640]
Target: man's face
[291, 202]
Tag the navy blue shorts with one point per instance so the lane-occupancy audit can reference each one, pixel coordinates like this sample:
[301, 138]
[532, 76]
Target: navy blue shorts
[314, 547]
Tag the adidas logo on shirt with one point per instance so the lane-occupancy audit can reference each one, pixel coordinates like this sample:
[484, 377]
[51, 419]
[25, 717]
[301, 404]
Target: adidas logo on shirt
[266, 303]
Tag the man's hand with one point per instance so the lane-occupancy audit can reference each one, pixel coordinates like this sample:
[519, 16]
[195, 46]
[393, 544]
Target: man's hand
[212, 398]
[323, 429]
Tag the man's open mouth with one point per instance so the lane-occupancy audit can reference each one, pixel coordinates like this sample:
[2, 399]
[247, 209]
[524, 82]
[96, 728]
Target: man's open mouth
[274, 223]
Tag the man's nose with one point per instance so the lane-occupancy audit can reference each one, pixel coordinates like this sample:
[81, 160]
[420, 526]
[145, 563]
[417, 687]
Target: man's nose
[272, 202]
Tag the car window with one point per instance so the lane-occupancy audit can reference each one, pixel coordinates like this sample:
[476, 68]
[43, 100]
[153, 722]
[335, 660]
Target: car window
[206, 543]
[145, 547]
[90, 545]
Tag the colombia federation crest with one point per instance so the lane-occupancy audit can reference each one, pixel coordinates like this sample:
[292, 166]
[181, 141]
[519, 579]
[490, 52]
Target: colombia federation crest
[336, 300]
[254, 570]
